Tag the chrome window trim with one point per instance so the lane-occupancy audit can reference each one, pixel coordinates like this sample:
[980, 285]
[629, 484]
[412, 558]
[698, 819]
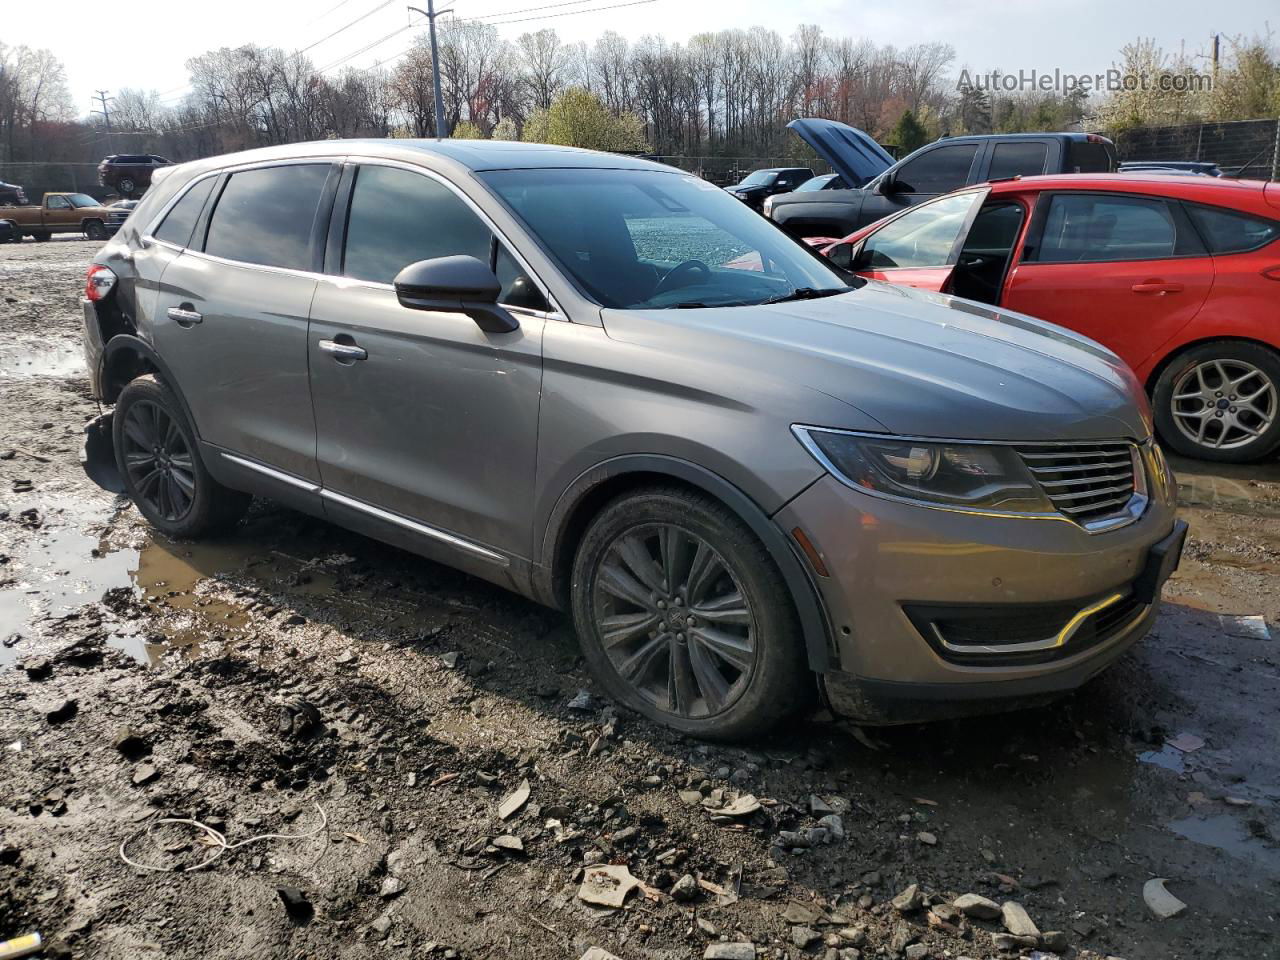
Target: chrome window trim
[1129, 513]
[556, 312]
[453, 540]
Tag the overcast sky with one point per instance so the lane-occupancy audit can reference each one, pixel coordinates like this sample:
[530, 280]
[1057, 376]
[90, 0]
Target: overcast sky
[1080, 36]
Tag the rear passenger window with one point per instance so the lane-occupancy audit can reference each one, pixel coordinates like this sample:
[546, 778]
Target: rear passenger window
[941, 170]
[1091, 228]
[1017, 160]
[399, 217]
[181, 219]
[265, 216]
[1225, 231]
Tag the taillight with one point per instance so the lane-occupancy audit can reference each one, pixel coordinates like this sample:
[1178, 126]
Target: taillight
[1272, 273]
[98, 283]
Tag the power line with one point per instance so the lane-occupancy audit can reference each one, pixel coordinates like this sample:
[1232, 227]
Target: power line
[568, 13]
[509, 13]
[363, 16]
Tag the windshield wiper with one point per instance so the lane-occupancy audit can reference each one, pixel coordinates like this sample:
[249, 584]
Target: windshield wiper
[805, 293]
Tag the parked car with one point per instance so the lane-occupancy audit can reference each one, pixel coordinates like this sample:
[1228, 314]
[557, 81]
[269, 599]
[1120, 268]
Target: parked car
[129, 174]
[12, 194]
[1190, 168]
[733, 479]
[118, 213]
[883, 187]
[1180, 276]
[827, 181]
[58, 213]
[759, 184]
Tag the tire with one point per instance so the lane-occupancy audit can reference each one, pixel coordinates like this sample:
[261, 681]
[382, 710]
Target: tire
[126, 186]
[1220, 401]
[95, 230]
[41, 236]
[159, 461]
[737, 676]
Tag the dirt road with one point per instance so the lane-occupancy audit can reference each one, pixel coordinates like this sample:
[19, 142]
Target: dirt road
[295, 679]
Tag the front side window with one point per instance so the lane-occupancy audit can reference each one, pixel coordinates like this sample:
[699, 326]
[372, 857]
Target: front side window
[941, 170]
[1091, 228]
[640, 239]
[181, 219]
[1017, 160]
[266, 216]
[58, 203]
[399, 217]
[1227, 231]
[924, 237]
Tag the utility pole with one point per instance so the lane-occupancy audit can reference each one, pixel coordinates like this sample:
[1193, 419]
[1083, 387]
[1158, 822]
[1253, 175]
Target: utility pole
[431, 14]
[105, 111]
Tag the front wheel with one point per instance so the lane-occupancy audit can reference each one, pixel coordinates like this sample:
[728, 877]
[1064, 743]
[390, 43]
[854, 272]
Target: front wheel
[683, 616]
[160, 464]
[126, 186]
[1221, 401]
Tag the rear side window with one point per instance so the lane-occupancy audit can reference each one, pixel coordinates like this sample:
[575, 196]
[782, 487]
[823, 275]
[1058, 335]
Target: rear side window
[941, 170]
[1017, 160]
[181, 219]
[1089, 158]
[1089, 228]
[1226, 231]
[265, 216]
[399, 217]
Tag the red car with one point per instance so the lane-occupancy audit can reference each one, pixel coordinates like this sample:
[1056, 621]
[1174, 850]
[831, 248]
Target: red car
[1180, 276]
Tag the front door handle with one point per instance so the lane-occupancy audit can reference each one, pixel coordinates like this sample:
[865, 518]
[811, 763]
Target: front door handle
[344, 352]
[1158, 287]
[185, 315]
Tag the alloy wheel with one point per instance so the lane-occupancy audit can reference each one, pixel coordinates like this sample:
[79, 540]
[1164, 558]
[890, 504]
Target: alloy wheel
[1224, 404]
[674, 621]
[158, 461]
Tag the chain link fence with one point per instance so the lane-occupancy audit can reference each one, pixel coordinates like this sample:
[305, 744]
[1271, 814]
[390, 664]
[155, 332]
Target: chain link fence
[1249, 149]
[37, 179]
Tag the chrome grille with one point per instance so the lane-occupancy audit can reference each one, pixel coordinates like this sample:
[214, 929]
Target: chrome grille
[1085, 482]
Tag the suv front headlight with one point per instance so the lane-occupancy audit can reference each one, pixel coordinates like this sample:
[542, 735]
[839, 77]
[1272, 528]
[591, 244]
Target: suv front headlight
[961, 476]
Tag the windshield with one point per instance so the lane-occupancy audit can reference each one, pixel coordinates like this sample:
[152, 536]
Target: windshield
[82, 200]
[639, 239]
[820, 183]
[761, 178]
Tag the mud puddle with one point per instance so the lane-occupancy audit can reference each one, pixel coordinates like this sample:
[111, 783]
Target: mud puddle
[41, 358]
[1251, 490]
[1237, 837]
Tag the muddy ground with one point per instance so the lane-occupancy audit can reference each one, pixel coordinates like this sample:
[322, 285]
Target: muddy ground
[296, 679]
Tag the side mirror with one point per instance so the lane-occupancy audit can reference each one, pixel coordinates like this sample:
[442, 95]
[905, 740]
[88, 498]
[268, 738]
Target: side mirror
[458, 284]
[842, 256]
[888, 185]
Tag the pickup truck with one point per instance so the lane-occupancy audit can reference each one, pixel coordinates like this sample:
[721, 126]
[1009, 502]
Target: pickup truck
[58, 213]
[880, 187]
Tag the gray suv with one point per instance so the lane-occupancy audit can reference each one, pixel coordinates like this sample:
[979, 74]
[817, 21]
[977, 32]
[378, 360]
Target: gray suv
[614, 389]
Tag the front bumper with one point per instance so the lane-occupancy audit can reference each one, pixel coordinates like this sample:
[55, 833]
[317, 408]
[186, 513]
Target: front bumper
[896, 568]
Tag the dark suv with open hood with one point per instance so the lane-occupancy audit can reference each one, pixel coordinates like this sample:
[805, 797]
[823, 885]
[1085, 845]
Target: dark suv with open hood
[880, 187]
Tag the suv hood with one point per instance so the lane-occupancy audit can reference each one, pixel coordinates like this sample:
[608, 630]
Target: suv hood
[851, 152]
[917, 363]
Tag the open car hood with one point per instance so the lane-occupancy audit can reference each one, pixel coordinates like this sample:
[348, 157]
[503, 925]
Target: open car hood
[851, 152]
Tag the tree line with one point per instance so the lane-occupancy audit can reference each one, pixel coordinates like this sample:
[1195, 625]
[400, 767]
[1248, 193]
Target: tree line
[723, 94]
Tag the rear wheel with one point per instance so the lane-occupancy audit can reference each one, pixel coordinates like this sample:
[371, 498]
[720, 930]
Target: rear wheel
[683, 616]
[1221, 401]
[160, 464]
[94, 230]
[126, 186]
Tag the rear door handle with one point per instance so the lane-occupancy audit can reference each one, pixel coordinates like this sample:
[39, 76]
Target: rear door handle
[185, 315]
[344, 352]
[1157, 286]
